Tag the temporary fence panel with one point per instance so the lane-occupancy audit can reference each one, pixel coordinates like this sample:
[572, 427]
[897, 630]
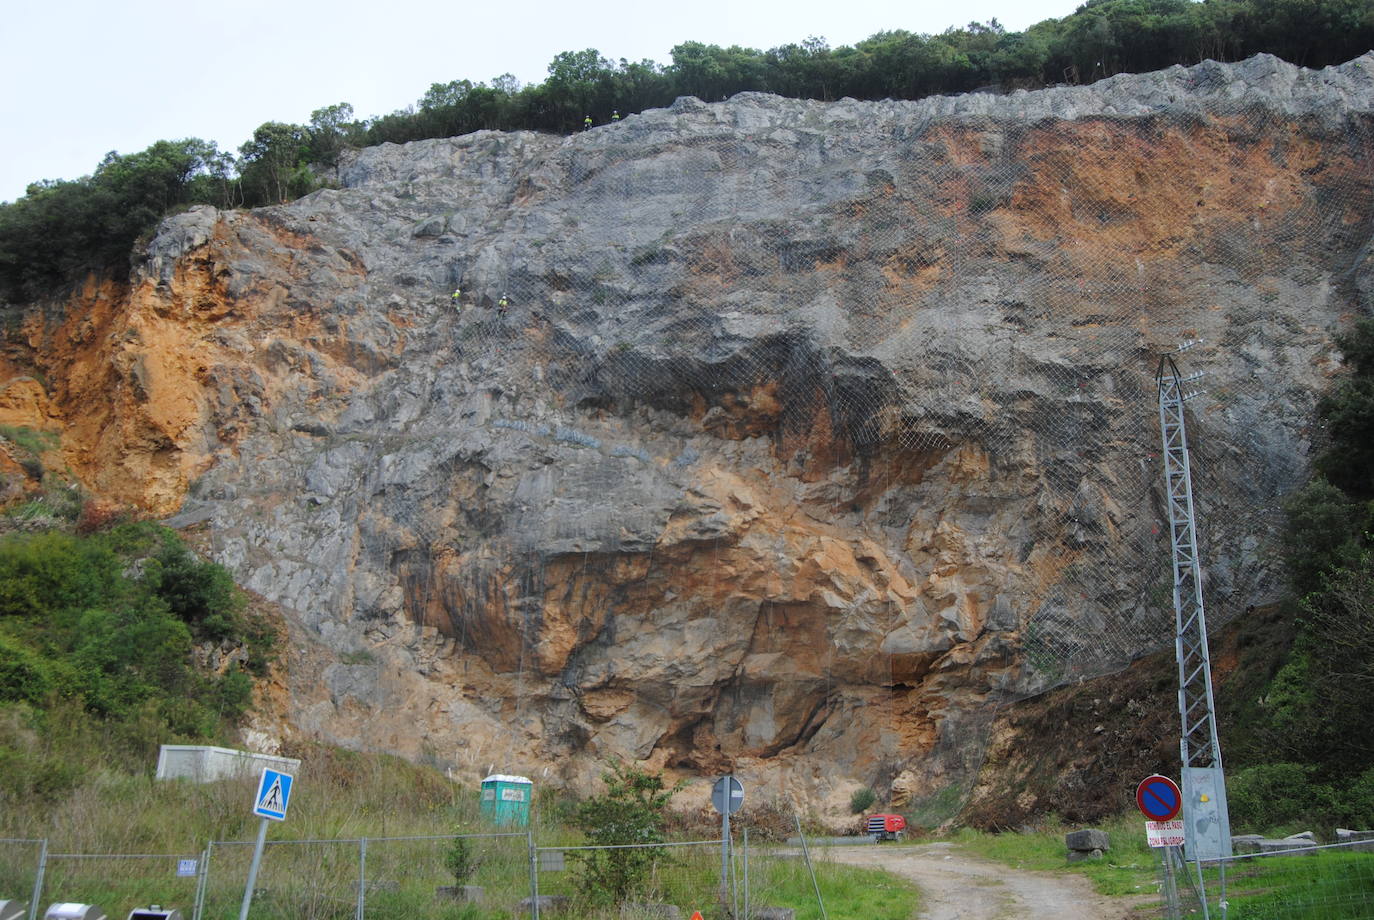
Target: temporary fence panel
[19, 862]
[298, 880]
[630, 882]
[122, 882]
[419, 876]
[1316, 883]
[380, 878]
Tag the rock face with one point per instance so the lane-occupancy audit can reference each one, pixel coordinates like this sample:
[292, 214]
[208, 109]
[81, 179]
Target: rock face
[810, 431]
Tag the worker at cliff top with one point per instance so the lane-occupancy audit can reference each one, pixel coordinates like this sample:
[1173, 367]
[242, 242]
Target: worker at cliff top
[615, 115]
[586, 123]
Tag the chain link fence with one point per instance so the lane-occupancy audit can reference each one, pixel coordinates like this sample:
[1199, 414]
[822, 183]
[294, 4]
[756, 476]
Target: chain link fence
[380, 877]
[20, 859]
[117, 882]
[1332, 882]
[391, 878]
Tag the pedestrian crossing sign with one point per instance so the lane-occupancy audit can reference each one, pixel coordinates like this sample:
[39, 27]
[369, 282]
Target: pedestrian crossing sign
[274, 794]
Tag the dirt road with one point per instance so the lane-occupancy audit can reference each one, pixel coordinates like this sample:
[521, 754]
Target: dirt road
[956, 886]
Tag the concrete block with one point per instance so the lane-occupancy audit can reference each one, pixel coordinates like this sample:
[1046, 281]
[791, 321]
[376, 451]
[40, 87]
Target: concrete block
[1296, 847]
[548, 904]
[1081, 855]
[463, 894]
[1087, 840]
[632, 910]
[1363, 841]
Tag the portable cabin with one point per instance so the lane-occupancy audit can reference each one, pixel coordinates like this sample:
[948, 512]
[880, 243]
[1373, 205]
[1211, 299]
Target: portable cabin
[506, 799]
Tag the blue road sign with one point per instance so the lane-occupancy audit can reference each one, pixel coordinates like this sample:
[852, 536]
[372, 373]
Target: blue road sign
[274, 794]
[1159, 798]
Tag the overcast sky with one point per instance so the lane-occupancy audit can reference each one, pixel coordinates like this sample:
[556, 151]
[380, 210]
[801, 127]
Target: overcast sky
[79, 78]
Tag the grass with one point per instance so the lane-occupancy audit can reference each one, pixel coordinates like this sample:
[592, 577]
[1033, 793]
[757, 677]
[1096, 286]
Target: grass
[30, 439]
[312, 862]
[1329, 883]
[1128, 868]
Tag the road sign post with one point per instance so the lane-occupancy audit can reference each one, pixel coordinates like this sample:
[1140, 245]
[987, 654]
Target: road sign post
[270, 804]
[727, 796]
[1160, 800]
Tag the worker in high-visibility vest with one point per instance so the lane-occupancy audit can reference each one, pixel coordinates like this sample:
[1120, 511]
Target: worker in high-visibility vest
[457, 295]
[615, 115]
[586, 123]
[503, 303]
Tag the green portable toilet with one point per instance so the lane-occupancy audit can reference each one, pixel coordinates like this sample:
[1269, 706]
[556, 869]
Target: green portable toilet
[506, 799]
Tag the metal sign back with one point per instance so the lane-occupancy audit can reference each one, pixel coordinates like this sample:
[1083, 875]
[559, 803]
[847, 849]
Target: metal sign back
[727, 795]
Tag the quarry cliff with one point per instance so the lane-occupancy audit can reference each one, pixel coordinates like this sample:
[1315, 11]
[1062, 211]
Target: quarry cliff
[809, 433]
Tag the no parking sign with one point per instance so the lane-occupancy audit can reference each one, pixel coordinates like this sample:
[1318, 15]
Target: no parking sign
[1158, 798]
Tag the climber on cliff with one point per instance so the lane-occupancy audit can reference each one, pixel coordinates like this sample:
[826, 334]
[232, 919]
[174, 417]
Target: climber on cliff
[503, 303]
[587, 123]
[457, 297]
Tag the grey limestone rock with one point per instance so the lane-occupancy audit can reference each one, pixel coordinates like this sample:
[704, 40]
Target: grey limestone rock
[798, 415]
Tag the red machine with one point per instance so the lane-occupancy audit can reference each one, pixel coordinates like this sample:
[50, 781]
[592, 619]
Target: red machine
[885, 827]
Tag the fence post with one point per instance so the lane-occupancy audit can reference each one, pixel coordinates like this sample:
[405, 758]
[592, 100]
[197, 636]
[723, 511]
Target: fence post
[746, 874]
[534, 876]
[362, 877]
[809, 868]
[38, 881]
[202, 882]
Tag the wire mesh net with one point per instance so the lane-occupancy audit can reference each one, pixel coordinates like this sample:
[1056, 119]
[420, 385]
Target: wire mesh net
[638, 882]
[1320, 883]
[120, 883]
[18, 868]
[313, 880]
[381, 877]
[855, 403]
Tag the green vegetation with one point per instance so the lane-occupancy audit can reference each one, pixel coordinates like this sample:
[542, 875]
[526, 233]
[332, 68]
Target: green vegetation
[341, 796]
[96, 639]
[60, 230]
[862, 800]
[462, 860]
[1299, 887]
[632, 810]
[1303, 741]
[1128, 868]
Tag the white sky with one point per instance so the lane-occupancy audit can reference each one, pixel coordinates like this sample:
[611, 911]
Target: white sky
[79, 78]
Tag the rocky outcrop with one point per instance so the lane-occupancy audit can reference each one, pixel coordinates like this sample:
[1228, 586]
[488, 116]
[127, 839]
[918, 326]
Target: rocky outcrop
[810, 428]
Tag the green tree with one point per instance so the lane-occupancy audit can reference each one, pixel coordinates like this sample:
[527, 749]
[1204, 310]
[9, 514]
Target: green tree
[331, 129]
[271, 165]
[628, 815]
[1349, 415]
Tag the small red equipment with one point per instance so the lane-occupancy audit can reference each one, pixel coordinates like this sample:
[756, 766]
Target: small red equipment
[885, 827]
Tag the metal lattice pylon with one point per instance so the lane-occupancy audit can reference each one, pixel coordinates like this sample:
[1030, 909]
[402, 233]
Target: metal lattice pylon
[1207, 824]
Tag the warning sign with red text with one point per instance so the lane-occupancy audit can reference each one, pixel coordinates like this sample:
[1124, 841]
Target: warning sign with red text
[1164, 833]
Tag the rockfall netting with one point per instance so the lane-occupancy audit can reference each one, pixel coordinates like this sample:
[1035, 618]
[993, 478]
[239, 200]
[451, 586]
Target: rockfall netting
[772, 427]
[927, 276]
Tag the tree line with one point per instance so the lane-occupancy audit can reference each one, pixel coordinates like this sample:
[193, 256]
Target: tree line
[59, 230]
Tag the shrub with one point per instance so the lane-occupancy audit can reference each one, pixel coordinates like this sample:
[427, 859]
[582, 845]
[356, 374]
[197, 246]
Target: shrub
[631, 811]
[1271, 795]
[23, 675]
[462, 860]
[199, 593]
[862, 800]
